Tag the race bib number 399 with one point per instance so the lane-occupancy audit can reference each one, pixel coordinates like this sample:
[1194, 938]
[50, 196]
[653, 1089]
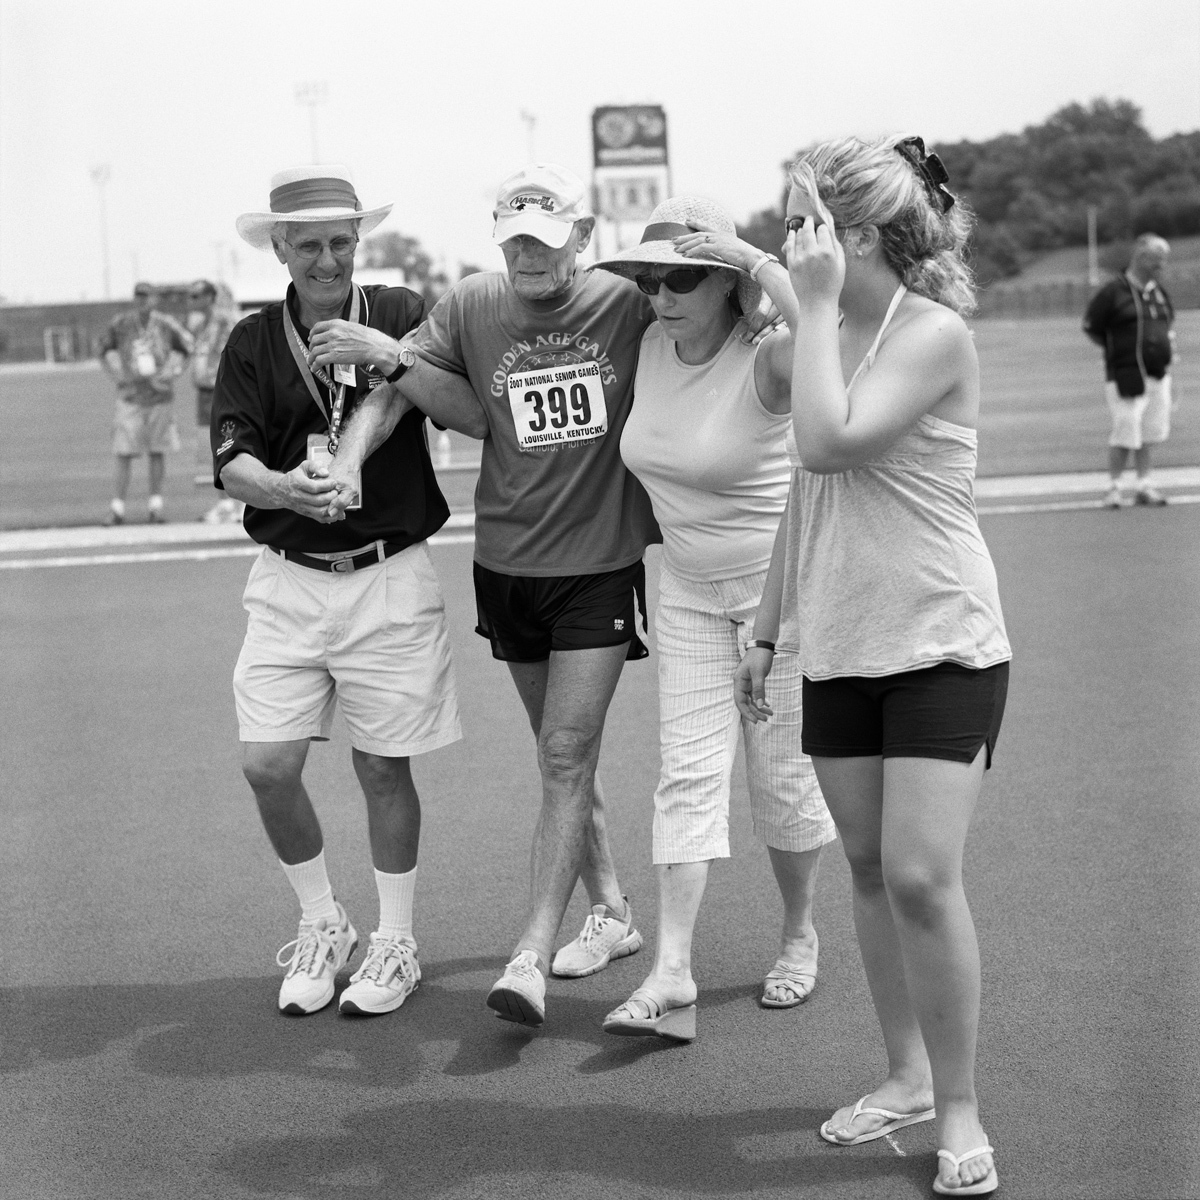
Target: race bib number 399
[558, 405]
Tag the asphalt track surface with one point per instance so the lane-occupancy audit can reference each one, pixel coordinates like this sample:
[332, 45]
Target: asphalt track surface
[142, 1055]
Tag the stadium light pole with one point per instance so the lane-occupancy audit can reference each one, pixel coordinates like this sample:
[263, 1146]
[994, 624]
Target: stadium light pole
[312, 95]
[1093, 248]
[101, 173]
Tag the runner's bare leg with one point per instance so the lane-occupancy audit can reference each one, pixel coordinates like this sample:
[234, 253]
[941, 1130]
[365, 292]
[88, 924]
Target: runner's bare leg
[567, 699]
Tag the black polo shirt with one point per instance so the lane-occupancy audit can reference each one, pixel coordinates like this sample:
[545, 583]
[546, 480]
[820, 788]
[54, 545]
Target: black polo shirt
[262, 406]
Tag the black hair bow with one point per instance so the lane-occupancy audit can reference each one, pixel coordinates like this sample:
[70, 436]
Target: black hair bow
[932, 170]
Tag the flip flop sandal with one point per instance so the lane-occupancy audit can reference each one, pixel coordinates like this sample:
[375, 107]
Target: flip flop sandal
[989, 1183]
[799, 980]
[675, 1023]
[894, 1121]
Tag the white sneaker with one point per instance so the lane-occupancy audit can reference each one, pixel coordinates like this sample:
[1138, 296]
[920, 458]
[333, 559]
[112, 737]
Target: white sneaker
[603, 938]
[321, 949]
[520, 993]
[388, 976]
[1113, 498]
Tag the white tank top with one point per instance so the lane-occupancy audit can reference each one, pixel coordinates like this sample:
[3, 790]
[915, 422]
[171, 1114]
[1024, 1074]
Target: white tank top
[712, 459]
[886, 569]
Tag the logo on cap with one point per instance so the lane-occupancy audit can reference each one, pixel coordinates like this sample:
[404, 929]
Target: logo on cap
[545, 203]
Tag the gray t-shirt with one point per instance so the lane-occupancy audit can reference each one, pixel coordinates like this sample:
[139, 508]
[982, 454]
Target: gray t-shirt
[556, 381]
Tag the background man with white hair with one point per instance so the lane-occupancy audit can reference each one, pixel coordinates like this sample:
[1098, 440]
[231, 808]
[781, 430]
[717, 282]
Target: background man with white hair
[349, 612]
[1131, 317]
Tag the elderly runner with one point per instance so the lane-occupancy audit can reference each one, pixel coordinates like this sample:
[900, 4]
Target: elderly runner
[349, 613]
[560, 529]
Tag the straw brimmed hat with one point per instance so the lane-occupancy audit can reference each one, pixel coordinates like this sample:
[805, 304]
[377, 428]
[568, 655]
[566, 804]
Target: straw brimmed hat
[309, 194]
[675, 218]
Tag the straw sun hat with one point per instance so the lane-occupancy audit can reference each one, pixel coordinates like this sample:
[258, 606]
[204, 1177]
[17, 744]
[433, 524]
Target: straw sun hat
[674, 218]
[303, 195]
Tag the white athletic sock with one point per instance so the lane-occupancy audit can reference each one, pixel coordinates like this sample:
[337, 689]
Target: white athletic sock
[311, 885]
[396, 903]
[118, 506]
[156, 503]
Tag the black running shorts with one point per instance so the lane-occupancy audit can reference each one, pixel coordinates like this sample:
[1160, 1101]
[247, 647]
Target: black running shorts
[527, 616]
[944, 711]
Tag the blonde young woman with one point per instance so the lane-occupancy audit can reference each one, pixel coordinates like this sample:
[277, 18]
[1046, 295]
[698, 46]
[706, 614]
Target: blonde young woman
[889, 599]
[707, 439]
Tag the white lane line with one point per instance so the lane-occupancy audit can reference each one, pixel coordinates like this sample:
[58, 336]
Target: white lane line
[152, 556]
[1000, 510]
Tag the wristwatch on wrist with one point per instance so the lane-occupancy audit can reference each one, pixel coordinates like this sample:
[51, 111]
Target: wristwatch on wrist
[404, 359]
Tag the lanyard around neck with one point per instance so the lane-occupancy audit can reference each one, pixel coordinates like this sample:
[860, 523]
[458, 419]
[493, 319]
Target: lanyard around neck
[337, 392]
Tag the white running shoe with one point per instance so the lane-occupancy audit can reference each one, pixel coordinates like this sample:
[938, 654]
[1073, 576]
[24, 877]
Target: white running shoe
[603, 938]
[1112, 498]
[321, 949]
[520, 993]
[388, 976]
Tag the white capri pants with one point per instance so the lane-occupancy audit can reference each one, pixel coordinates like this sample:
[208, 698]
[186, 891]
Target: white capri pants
[702, 630]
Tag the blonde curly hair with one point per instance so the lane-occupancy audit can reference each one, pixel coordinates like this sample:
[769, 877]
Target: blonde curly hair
[872, 183]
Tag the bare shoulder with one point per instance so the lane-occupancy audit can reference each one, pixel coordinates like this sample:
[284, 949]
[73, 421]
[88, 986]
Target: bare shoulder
[931, 332]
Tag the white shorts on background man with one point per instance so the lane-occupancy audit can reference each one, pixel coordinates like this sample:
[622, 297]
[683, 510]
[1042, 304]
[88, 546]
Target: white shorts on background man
[1143, 420]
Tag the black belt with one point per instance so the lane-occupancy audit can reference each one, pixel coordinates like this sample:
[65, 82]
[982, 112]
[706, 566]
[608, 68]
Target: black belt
[341, 566]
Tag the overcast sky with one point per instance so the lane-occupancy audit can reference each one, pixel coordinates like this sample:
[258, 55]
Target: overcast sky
[192, 106]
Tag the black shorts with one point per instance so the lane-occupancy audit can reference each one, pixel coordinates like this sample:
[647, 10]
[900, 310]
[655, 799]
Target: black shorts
[944, 711]
[527, 616]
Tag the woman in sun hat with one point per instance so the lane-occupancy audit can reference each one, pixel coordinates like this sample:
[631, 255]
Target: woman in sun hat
[889, 599]
[706, 439]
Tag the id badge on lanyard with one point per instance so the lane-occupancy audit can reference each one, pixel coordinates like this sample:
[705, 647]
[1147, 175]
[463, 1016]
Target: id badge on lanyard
[321, 448]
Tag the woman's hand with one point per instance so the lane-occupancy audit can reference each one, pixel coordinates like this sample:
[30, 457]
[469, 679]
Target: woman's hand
[750, 684]
[816, 260]
[727, 247]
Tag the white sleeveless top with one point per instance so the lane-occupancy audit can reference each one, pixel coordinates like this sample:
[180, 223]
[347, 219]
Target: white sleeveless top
[886, 568]
[711, 457]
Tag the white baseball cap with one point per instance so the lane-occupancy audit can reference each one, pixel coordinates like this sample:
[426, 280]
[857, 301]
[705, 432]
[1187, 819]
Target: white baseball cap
[542, 200]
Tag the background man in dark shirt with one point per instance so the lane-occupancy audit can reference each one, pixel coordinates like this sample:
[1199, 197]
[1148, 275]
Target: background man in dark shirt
[348, 612]
[1131, 317]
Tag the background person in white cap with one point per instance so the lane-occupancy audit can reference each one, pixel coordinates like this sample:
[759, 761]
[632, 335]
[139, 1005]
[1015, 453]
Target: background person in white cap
[348, 612]
[707, 437]
[560, 529]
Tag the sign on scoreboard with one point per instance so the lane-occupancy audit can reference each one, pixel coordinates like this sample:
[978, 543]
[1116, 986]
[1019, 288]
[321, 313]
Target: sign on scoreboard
[631, 135]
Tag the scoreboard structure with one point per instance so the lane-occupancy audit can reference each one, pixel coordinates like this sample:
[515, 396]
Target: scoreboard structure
[631, 173]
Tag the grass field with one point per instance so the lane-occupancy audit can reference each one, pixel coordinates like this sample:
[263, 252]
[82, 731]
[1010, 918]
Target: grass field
[1042, 412]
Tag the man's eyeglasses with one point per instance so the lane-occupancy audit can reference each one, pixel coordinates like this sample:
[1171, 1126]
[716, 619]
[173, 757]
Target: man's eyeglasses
[340, 247]
[680, 281]
[931, 169]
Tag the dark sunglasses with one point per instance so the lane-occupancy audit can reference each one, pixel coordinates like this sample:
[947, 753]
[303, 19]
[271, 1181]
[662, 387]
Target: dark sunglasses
[931, 169]
[792, 224]
[680, 281]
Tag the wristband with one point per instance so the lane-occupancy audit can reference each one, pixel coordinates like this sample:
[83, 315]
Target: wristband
[763, 644]
[754, 270]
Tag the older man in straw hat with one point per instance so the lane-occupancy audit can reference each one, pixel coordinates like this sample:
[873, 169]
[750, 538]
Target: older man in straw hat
[561, 526]
[348, 612]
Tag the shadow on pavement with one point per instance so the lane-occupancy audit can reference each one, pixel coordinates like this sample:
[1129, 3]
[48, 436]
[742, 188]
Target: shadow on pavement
[231, 1027]
[448, 1146]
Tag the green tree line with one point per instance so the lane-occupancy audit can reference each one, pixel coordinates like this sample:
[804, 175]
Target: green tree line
[1031, 190]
